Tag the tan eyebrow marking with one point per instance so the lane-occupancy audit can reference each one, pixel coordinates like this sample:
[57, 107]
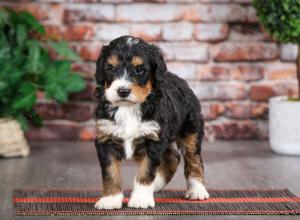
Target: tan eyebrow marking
[137, 60]
[113, 60]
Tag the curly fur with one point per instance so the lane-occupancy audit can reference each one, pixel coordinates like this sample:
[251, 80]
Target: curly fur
[168, 115]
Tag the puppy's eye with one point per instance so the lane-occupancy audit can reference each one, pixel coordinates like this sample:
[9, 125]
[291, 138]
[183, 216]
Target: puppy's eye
[139, 70]
[111, 68]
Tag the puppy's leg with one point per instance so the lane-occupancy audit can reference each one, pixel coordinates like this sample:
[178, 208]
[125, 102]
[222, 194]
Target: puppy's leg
[193, 166]
[112, 196]
[167, 168]
[143, 187]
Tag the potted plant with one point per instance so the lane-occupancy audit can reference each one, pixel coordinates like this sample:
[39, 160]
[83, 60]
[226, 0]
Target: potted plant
[281, 19]
[27, 68]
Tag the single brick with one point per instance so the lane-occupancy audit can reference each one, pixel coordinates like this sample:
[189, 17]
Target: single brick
[248, 72]
[220, 91]
[211, 32]
[89, 12]
[78, 32]
[213, 72]
[261, 92]
[264, 91]
[281, 71]
[247, 51]
[183, 70]
[246, 110]
[177, 31]
[185, 51]
[145, 12]
[286, 88]
[214, 13]
[108, 32]
[212, 110]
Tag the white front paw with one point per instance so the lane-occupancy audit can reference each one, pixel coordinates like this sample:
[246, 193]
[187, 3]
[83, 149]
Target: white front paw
[201, 194]
[110, 202]
[196, 190]
[141, 201]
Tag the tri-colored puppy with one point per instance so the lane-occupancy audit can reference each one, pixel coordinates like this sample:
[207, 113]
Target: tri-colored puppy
[147, 114]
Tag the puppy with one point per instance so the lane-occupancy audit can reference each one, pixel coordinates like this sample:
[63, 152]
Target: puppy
[147, 114]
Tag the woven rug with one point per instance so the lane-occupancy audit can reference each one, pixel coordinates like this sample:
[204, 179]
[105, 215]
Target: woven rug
[168, 202]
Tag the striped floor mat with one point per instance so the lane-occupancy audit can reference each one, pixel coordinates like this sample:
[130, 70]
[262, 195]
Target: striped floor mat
[168, 202]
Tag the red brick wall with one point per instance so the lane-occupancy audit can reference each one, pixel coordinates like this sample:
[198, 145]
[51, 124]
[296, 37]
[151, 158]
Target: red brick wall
[217, 45]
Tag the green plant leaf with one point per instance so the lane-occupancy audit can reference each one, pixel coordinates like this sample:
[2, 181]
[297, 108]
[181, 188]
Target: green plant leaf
[27, 97]
[281, 18]
[22, 121]
[62, 68]
[4, 17]
[33, 23]
[56, 92]
[62, 49]
[21, 34]
[75, 83]
[33, 56]
[3, 86]
[33, 115]
[27, 67]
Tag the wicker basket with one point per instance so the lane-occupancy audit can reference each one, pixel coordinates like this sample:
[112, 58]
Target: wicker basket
[12, 140]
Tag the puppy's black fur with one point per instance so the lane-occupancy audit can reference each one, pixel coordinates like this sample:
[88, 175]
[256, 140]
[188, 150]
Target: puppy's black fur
[171, 103]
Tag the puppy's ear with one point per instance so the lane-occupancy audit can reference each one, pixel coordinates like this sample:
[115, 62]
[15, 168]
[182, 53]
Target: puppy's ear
[160, 65]
[100, 67]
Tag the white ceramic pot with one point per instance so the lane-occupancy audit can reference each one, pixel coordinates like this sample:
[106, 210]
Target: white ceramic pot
[284, 129]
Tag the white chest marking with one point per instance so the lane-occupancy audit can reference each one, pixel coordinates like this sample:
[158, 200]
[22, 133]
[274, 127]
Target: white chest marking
[128, 125]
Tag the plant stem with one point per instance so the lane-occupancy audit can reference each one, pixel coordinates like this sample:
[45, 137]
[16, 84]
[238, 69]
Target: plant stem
[298, 70]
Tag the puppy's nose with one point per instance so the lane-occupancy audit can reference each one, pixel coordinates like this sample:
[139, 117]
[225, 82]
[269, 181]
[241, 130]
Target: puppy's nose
[123, 92]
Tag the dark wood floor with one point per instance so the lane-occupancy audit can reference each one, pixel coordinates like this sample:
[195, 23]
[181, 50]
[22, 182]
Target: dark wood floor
[228, 165]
